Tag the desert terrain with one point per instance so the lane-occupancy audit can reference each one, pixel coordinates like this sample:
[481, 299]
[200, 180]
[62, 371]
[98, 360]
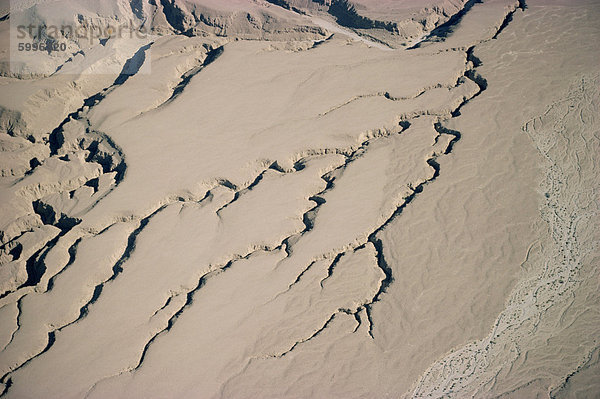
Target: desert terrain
[299, 199]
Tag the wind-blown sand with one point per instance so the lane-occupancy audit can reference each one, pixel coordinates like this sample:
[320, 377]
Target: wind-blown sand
[282, 203]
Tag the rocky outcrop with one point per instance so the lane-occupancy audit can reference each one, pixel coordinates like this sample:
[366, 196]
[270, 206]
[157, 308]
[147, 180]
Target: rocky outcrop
[383, 21]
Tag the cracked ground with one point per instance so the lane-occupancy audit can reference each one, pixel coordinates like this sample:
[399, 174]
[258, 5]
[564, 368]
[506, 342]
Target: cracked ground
[303, 199]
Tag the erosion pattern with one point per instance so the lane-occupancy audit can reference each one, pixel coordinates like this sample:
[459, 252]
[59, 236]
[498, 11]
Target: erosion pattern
[233, 232]
[555, 267]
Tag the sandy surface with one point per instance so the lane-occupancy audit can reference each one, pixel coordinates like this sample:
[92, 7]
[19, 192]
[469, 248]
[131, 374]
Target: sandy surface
[277, 203]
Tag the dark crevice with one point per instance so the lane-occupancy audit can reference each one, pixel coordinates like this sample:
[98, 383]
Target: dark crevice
[35, 265]
[381, 262]
[441, 32]
[435, 166]
[378, 245]
[509, 17]
[211, 57]
[275, 166]
[443, 130]
[447, 28]
[432, 162]
[227, 184]
[285, 244]
[137, 7]
[33, 163]
[241, 192]
[331, 267]
[357, 318]
[60, 67]
[50, 217]
[174, 15]
[93, 183]
[132, 65]
[46, 212]
[35, 269]
[315, 334]
[345, 15]
[318, 199]
[287, 6]
[309, 217]
[107, 156]
[72, 254]
[299, 165]
[7, 384]
[475, 77]
[118, 267]
[302, 274]
[368, 308]
[56, 138]
[17, 322]
[66, 223]
[163, 307]
[16, 251]
[173, 319]
[404, 124]
[281, 3]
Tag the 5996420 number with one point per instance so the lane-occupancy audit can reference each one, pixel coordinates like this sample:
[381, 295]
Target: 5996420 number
[44, 46]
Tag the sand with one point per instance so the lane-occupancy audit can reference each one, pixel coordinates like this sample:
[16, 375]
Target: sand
[276, 203]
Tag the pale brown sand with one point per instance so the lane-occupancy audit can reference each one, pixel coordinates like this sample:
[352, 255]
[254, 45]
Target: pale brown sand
[309, 216]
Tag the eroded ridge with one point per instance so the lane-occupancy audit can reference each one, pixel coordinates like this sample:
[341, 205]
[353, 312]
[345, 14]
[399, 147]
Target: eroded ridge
[309, 217]
[79, 168]
[362, 312]
[177, 303]
[570, 209]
